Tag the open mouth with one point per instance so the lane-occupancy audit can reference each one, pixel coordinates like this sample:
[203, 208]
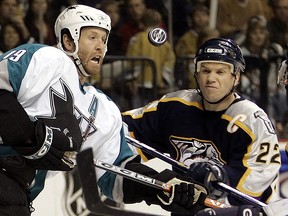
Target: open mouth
[96, 59]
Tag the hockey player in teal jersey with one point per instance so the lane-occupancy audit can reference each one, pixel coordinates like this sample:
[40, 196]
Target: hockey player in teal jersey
[48, 114]
[214, 126]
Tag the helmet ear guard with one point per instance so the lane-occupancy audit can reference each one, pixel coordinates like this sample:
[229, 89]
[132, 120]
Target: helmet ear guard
[220, 50]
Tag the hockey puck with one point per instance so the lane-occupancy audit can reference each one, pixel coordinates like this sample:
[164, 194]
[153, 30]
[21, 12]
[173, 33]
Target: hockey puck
[157, 36]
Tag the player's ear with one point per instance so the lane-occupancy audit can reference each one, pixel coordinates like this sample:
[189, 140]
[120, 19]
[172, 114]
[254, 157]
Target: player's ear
[237, 79]
[68, 43]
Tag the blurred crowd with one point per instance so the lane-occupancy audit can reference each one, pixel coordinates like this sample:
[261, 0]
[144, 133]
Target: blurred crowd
[260, 27]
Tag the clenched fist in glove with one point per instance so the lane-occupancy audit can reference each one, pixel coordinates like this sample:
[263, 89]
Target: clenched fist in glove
[55, 150]
[185, 196]
[205, 173]
[47, 143]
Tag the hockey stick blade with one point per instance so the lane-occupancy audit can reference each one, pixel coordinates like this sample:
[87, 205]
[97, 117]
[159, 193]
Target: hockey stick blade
[87, 175]
[182, 167]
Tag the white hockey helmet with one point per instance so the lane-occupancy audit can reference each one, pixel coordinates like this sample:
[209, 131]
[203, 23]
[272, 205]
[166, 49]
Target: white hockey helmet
[73, 18]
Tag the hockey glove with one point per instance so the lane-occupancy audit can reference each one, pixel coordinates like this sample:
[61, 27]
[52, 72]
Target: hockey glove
[205, 172]
[283, 74]
[185, 197]
[54, 150]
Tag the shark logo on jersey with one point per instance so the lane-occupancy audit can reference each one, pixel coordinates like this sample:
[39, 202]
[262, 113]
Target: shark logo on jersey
[62, 110]
[62, 107]
[194, 150]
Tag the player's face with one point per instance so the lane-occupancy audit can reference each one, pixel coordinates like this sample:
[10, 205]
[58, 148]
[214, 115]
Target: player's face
[92, 49]
[216, 80]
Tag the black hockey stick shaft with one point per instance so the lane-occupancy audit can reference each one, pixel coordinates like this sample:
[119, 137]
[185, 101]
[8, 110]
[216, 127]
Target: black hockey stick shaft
[182, 167]
[149, 181]
[88, 180]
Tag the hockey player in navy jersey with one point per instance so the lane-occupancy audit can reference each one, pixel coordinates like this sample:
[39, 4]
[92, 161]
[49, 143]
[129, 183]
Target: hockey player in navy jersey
[214, 126]
[47, 115]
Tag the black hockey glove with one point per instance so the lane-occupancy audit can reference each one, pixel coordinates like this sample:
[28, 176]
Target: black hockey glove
[186, 196]
[205, 172]
[54, 150]
[43, 142]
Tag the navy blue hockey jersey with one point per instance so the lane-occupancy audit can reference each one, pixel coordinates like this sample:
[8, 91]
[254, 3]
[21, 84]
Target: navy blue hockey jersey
[241, 138]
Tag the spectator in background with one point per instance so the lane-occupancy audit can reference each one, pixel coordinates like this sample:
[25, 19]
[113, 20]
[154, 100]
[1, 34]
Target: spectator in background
[187, 44]
[258, 81]
[55, 8]
[233, 16]
[267, 9]
[181, 9]
[132, 23]
[256, 46]
[112, 8]
[278, 25]
[10, 36]
[206, 34]
[36, 20]
[10, 10]
[163, 56]
[162, 7]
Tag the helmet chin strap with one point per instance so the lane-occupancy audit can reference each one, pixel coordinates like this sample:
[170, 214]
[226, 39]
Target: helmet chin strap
[79, 65]
[76, 58]
[78, 62]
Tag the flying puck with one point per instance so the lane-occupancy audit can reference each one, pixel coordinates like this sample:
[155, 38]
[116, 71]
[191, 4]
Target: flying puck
[157, 36]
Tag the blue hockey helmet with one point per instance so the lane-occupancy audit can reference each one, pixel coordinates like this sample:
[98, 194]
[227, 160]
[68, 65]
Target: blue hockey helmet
[222, 50]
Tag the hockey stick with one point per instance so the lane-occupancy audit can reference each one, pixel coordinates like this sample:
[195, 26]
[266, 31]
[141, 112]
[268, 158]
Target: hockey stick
[87, 176]
[182, 167]
[87, 173]
[150, 181]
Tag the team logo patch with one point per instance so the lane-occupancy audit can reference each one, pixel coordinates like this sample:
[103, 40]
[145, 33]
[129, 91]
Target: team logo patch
[194, 150]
